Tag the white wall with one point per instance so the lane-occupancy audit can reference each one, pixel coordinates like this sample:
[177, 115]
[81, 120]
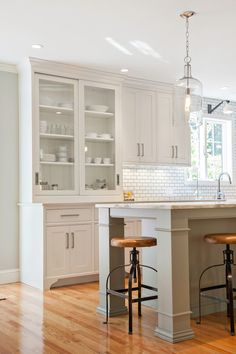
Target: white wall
[9, 176]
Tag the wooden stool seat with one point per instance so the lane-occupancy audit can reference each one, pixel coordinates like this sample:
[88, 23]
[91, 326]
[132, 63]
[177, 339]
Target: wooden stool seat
[134, 242]
[227, 238]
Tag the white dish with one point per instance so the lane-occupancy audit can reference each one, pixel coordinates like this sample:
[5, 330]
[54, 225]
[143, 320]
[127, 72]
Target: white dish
[65, 105]
[97, 160]
[91, 135]
[106, 160]
[63, 159]
[89, 159]
[63, 148]
[62, 154]
[97, 108]
[105, 136]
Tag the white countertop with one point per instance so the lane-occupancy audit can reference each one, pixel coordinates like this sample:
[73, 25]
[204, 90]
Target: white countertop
[196, 204]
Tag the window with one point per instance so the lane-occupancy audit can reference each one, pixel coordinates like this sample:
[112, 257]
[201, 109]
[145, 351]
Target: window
[211, 149]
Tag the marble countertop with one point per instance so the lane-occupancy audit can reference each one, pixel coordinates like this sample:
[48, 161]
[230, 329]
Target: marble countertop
[183, 204]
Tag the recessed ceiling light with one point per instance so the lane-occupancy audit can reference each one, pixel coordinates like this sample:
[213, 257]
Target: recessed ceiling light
[37, 46]
[124, 70]
[224, 88]
[58, 112]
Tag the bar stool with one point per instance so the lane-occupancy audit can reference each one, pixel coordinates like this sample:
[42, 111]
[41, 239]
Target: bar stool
[228, 262]
[134, 274]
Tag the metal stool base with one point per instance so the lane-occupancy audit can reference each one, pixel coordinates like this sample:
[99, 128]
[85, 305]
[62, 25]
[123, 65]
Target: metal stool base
[126, 293]
[229, 300]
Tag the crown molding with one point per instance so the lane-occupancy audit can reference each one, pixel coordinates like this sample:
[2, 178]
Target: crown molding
[8, 68]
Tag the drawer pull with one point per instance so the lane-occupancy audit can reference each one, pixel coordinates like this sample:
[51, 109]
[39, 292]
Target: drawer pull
[69, 215]
[67, 240]
[73, 240]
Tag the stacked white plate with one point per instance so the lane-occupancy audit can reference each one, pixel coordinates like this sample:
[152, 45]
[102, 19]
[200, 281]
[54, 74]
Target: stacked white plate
[62, 155]
[48, 157]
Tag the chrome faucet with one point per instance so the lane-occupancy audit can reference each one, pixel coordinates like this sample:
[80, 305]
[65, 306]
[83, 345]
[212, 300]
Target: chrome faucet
[220, 195]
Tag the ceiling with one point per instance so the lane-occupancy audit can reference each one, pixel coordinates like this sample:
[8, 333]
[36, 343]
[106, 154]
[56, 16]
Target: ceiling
[74, 31]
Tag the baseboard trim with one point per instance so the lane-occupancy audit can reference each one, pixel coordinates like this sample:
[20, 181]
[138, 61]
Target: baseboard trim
[9, 276]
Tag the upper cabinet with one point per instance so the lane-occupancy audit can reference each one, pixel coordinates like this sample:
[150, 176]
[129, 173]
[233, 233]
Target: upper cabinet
[101, 171]
[56, 135]
[74, 151]
[153, 133]
[172, 133]
[138, 125]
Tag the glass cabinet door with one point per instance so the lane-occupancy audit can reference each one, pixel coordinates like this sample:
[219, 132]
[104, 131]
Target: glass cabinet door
[99, 112]
[56, 150]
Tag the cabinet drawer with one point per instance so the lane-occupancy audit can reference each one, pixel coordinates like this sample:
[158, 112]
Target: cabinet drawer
[69, 215]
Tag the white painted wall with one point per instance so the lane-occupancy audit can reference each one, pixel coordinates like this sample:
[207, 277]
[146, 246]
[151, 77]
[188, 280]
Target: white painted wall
[9, 176]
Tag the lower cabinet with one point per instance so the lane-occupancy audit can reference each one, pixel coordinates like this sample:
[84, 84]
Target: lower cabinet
[72, 244]
[69, 250]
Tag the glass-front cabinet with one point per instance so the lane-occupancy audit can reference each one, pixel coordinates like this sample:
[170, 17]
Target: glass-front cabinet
[99, 110]
[56, 131]
[76, 151]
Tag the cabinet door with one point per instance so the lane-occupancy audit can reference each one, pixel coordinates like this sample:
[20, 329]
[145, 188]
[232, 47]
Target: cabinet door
[55, 138]
[145, 115]
[57, 250]
[164, 129]
[81, 251]
[181, 134]
[130, 126]
[100, 151]
[96, 247]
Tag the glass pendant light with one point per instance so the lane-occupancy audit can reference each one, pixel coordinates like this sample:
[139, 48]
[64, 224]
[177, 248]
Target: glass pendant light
[188, 90]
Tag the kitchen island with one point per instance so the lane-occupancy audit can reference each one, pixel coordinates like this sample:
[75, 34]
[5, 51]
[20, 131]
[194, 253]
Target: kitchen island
[179, 256]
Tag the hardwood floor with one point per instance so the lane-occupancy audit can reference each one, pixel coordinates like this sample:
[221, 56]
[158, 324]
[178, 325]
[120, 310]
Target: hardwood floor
[64, 320]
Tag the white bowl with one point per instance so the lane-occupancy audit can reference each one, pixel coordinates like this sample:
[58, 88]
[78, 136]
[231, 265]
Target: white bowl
[62, 148]
[97, 108]
[63, 159]
[62, 154]
[89, 159]
[105, 136]
[106, 160]
[91, 135]
[98, 160]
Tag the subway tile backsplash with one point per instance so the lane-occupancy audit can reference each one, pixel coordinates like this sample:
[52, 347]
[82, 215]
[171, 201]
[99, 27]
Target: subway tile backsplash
[170, 182]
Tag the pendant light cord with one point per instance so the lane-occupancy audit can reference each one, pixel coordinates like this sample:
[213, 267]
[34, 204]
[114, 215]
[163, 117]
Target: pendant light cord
[187, 59]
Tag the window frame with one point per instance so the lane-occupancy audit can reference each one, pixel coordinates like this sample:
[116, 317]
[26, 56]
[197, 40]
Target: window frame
[227, 148]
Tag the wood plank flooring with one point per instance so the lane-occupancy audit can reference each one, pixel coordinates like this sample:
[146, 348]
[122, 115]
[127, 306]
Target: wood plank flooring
[64, 320]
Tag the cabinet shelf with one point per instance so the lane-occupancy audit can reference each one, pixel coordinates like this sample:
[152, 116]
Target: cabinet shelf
[54, 109]
[99, 165]
[98, 139]
[97, 114]
[56, 136]
[57, 163]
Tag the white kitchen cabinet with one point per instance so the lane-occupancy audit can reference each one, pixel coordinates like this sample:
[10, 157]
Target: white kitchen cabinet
[57, 246]
[101, 168]
[55, 139]
[138, 125]
[172, 133]
[81, 252]
[69, 250]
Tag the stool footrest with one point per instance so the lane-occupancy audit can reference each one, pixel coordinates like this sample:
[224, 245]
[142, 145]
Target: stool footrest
[213, 287]
[148, 287]
[217, 298]
[146, 298]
